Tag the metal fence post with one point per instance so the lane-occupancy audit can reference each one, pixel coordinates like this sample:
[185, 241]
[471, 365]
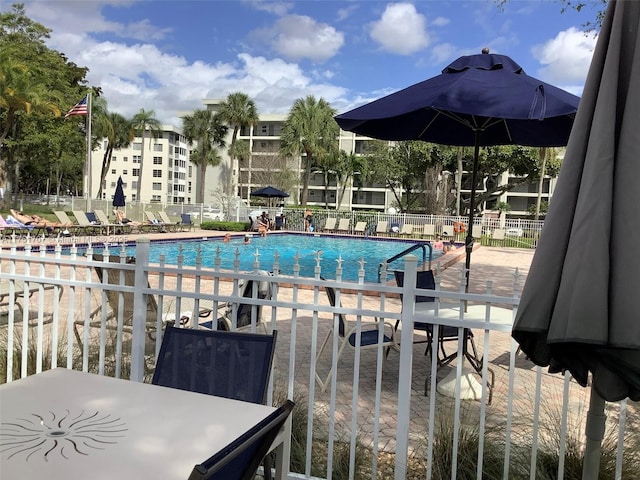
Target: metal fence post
[138, 338]
[406, 362]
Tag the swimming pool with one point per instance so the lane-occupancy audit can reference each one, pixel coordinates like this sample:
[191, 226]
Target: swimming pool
[352, 251]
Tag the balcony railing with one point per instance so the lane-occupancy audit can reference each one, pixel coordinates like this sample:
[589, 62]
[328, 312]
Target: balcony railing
[394, 412]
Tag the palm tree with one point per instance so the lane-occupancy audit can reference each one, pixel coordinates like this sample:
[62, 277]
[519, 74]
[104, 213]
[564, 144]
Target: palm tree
[142, 121]
[310, 130]
[205, 127]
[119, 134]
[239, 111]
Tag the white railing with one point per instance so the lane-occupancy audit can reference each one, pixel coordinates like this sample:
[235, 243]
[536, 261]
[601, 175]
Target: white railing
[382, 400]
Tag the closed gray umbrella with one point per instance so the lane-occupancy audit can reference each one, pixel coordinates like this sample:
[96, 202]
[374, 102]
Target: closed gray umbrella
[579, 308]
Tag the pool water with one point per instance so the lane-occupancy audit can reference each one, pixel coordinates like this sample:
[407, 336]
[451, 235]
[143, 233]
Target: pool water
[288, 246]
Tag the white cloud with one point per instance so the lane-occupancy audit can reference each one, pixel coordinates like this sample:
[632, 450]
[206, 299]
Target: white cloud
[566, 58]
[441, 22]
[298, 37]
[344, 13]
[401, 29]
[443, 53]
[277, 8]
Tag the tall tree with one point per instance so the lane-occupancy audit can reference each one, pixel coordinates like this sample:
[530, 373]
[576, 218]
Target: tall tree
[309, 130]
[119, 134]
[142, 121]
[36, 85]
[206, 128]
[239, 111]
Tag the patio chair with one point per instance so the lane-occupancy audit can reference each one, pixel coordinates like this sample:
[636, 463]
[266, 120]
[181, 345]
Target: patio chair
[241, 458]
[170, 224]
[124, 310]
[186, 222]
[330, 225]
[360, 228]
[225, 364]
[382, 228]
[242, 314]
[348, 336]
[233, 365]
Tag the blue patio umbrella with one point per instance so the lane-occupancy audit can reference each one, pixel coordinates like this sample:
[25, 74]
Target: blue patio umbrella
[478, 100]
[118, 196]
[269, 192]
[579, 307]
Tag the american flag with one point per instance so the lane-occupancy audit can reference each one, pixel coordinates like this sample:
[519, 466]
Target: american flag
[79, 108]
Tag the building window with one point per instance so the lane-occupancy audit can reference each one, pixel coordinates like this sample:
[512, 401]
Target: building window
[156, 198]
[136, 159]
[137, 145]
[134, 185]
[113, 184]
[157, 147]
[105, 144]
[135, 172]
[125, 159]
[124, 172]
[157, 174]
[114, 158]
[113, 171]
[157, 186]
[157, 160]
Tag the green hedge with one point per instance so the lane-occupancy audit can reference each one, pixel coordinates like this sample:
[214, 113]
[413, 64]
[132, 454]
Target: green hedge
[225, 226]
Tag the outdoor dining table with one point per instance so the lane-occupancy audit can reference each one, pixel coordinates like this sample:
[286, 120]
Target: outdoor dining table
[65, 424]
[500, 319]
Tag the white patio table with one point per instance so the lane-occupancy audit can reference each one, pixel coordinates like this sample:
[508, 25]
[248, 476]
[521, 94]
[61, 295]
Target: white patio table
[64, 424]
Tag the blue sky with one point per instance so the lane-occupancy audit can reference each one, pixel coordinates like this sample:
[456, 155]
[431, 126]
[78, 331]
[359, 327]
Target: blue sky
[167, 56]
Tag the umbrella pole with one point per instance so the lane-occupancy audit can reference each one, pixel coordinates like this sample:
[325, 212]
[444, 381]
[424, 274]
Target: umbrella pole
[594, 430]
[468, 244]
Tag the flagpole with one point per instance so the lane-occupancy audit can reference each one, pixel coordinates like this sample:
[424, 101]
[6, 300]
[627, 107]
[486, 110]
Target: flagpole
[88, 160]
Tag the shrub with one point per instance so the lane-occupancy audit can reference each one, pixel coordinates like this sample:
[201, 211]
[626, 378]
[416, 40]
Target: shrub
[225, 226]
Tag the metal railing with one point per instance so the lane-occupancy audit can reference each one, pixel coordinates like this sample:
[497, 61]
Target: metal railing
[376, 399]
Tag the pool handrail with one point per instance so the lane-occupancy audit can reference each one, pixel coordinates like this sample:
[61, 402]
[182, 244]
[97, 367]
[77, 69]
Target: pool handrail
[406, 252]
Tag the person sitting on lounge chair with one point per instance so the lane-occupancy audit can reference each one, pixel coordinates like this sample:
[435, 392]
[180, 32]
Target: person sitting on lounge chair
[36, 221]
[263, 224]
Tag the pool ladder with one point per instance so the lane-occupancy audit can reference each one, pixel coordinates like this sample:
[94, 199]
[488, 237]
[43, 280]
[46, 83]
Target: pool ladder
[423, 246]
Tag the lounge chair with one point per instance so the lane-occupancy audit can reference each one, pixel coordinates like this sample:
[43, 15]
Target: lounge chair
[170, 224]
[11, 226]
[330, 225]
[241, 458]
[344, 225]
[154, 223]
[498, 236]
[243, 315]
[382, 228]
[22, 292]
[406, 230]
[112, 274]
[348, 336]
[428, 231]
[83, 221]
[360, 228]
[70, 227]
[35, 223]
[114, 226]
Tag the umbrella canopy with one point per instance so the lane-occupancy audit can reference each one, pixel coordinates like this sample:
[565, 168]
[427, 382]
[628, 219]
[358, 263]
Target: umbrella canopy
[579, 309]
[269, 192]
[118, 196]
[478, 100]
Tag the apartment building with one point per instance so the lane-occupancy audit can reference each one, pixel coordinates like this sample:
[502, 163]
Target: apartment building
[168, 176]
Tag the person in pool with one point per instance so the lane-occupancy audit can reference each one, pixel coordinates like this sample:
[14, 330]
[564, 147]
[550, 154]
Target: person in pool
[247, 239]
